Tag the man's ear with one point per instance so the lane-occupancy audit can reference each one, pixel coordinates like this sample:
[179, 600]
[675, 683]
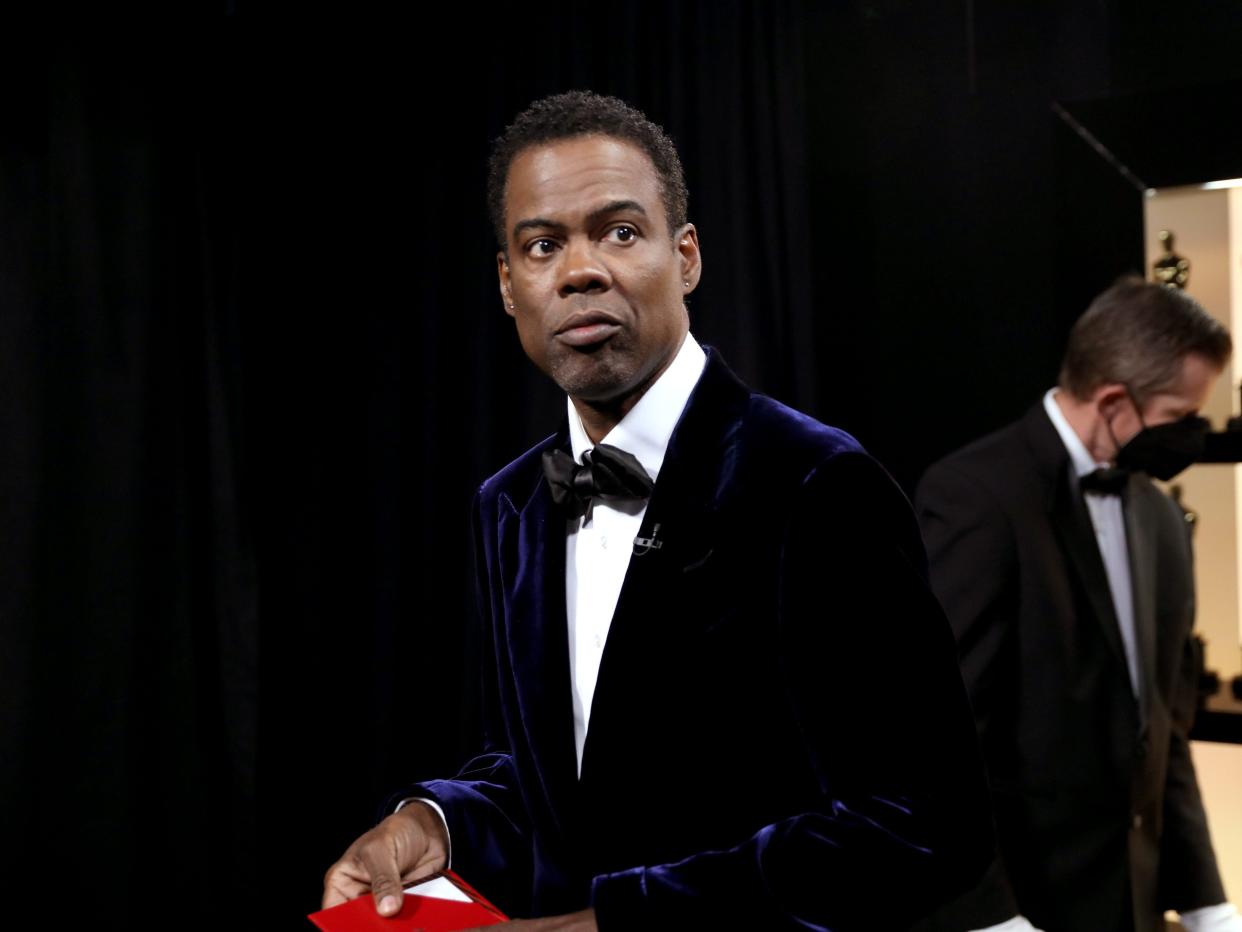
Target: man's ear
[687, 241]
[1109, 399]
[506, 291]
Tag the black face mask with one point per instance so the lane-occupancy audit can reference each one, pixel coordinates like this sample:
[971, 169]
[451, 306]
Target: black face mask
[1166, 449]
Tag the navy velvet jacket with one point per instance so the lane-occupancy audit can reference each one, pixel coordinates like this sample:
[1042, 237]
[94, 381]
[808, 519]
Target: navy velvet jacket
[779, 735]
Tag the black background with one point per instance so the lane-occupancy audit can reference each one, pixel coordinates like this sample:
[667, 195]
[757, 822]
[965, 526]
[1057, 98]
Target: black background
[253, 362]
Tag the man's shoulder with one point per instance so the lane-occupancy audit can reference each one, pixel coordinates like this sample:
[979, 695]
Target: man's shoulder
[783, 453]
[996, 454]
[1008, 465]
[724, 405]
[781, 430]
[759, 440]
[519, 478]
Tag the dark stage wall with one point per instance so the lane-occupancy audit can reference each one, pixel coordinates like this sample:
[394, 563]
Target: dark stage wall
[253, 364]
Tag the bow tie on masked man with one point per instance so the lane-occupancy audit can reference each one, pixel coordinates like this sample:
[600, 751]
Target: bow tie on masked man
[1066, 575]
[684, 592]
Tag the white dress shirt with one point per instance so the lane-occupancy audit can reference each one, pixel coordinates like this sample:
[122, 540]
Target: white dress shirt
[599, 544]
[1110, 535]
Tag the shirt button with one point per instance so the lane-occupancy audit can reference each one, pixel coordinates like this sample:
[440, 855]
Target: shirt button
[599, 643]
[603, 541]
[1138, 820]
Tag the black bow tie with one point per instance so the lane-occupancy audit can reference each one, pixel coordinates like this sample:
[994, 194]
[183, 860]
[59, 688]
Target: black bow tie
[606, 472]
[1111, 481]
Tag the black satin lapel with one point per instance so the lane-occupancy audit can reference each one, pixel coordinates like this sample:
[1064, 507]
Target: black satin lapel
[536, 632]
[1143, 585]
[1077, 534]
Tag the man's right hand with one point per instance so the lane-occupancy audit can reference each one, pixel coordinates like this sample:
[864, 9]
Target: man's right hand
[408, 845]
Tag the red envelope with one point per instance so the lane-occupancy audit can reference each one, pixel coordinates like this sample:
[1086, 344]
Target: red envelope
[418, 913]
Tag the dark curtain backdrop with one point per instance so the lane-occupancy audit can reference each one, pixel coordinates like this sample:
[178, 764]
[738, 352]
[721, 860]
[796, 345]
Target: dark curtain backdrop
[253, 364]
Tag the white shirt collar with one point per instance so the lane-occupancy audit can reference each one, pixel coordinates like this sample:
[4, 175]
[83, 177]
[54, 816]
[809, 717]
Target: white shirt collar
[1083, 463]
[648, 426]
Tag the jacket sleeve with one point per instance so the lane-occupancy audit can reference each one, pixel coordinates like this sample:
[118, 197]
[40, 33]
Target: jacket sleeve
[973, 567]
[873, 680]
[1189, 877]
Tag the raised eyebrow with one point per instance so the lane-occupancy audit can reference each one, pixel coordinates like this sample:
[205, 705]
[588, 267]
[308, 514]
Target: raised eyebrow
[537, 223]
[612, 207]
[615, 207]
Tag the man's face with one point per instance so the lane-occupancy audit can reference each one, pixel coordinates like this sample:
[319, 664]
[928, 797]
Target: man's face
[1186, 396]
[593, 280]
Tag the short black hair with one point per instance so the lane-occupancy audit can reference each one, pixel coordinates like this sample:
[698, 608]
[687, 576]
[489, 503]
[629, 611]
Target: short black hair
[584, 113]
[1137, 334]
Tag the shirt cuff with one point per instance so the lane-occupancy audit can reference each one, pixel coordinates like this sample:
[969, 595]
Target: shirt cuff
[1220, 918]
[1016, 924]
[448, 839]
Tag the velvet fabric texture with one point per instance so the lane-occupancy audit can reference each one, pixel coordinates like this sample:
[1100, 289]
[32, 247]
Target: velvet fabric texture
[779, 737]
[1098, 813]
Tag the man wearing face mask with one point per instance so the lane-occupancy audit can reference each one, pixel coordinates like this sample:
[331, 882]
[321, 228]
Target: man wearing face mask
[1067, 577]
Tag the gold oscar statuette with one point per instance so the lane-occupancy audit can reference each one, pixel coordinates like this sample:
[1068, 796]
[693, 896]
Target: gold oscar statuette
[1170, 269]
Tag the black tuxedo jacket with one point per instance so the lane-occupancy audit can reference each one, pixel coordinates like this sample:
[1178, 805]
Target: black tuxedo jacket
[1098, 814]
[779, 736]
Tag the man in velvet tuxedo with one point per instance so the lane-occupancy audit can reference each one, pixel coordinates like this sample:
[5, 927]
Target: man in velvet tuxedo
[719, 692]
[1067, 577]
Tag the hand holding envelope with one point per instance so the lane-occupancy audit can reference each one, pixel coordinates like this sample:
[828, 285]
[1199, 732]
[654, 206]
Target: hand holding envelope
[444, 903]
[408, 846]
